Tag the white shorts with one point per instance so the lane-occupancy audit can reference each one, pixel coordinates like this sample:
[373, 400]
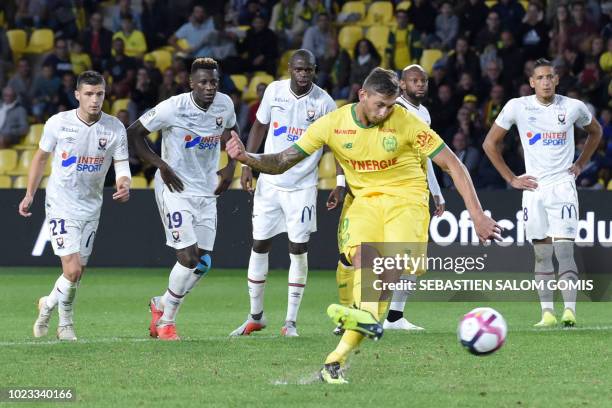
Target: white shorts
[276, 211]
[72, 236]
[187, 220]
[551, 211]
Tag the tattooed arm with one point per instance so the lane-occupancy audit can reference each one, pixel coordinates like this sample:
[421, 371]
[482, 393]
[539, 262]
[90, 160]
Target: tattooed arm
[276, 163]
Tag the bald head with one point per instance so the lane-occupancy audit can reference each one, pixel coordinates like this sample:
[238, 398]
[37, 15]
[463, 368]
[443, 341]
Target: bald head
[414, 68]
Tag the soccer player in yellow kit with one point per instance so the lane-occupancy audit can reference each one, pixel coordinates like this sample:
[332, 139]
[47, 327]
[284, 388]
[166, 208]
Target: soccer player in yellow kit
[380, 148]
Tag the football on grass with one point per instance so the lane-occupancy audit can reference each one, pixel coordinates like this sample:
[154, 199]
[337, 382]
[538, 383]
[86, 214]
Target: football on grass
[482, 331]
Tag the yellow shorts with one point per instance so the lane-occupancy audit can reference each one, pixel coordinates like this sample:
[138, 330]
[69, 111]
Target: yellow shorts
[381, 218]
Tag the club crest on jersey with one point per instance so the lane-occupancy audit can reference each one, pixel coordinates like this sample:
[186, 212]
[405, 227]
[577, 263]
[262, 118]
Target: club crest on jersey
[561, 118]
[310, 115]
[60, 242]
[390, 143]
[219, 121]
[176, 236]
[102, 143]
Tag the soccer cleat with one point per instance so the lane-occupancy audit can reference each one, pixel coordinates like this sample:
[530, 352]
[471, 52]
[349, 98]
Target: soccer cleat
[249, 326]
[548, 320]
[569, 318]
[332, 374]
[289, 329]
[41, 325]
[156, 314]
[66, 333]
[167, 332]
[355, 319]
[400, 324]
[338, 331]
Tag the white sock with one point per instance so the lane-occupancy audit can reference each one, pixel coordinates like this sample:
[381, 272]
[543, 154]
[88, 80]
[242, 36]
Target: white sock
[177, 287]
[398, 300]
[298, 273]
[51, 302]
[544, 272]
[257, 273]
[66, 291]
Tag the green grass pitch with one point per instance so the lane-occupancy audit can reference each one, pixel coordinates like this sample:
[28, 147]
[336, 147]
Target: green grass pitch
[115, 364]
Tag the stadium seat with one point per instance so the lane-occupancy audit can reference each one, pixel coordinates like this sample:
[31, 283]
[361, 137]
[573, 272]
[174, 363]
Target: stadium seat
[118, 105]
[240, 81]
[251, 92]
[354, 7]
[182, 44]
[284, 61]
[429, 58]
[20, 182]
[379, 12]
[139, 182]
[8, 160]
[34, 134]
[348, 37]
[17, 41]
[341, 102]
[41, 41]
[223, 160]
[490, 3]
[327, 183]
[5, 182]
[524, 3]
[379, 35]
[404, 5]
[236, 184]
[43, 182]
[23, 164]
[327, 165]
[163, 59]
[238, 171]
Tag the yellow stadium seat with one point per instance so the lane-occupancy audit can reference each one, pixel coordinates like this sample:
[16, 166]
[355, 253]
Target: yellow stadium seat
[23, 165]
[17, 41]
[236, 184]
[182, 44]
[5, 182]
[48, 167]
[240, 81]
[251, 92]
[379, 35]
[119, 104]
[223, 160]
[429, 58]
[20, 182]
[348, 37]
[8, 160]
[379, 12]
[404, 5]
[327, 165]
[490, 3]
[341, 102]
[524, 3]
[41, 41]
[163, 59]
[284, 62]
[354, 7]
[328, 183]
[43, 182]
[139, 182]
[34, 134]
[238, 171]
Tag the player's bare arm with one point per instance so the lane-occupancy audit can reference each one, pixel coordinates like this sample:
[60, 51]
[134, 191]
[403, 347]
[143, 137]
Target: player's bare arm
[485, 227]
[594, 132]
[226, 174]
[37, 169]
[256, 137]
[123, 184]
[275, 163]
[336, 196]
[493, 148]
[137, 134]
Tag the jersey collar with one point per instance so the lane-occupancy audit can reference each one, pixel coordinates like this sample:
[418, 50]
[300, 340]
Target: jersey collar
[198, 106]
[356, 119]
[76, 113]
[302, 95]
[410, 103]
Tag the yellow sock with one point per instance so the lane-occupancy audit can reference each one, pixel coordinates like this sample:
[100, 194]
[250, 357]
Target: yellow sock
[344, 279]
[350, 340]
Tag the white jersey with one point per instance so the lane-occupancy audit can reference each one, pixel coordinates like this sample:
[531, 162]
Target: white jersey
[547, 134]
[289, 116]
[191, 139]
[82, 155]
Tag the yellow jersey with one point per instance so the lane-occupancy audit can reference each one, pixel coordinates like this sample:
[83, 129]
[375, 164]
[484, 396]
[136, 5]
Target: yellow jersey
[379, 159]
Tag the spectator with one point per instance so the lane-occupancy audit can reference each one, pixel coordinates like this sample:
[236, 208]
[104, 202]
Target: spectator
[123, 8]
[400, 42]
[525, 90]
[308, 17]
[144, 95]
[80, 60]
[473, 16]
[241, 109]
[224, 48]
[44, 93]
[422, 16]
[465, 86]
[261, 88]
[59, 58]
[97, 41]
[511, 58]
[249, 11]
[510, 13]
[493, 105]
[341, 72]
[6, 56]
[491, 77]
[468, 155]
[199, 33]
[580, 29]
[534, 33]
[154, 23]
[605, 61]
[30, 14]
[365, 59]
[61, 18]
[318, 39]
[490, 34]
[154, 74]
[134, 40]
[443, 109]
[134, 162]
[21, 82]
[13, 119]
[463, 60]
[447, 26]
[559, 37]
[182, 80]
[66, 99]
[566, 80]
[285, 22]
[261, 48]
[122, 69]
[438, 78]
[467, 122]
[597, 48]
[168, 86]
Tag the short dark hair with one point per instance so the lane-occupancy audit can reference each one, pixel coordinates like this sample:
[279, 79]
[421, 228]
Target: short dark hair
[204, 63]
[382, 81]
[90, 78]
[541, 62]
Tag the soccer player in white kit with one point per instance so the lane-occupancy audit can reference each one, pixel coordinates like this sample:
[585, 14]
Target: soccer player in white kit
[545, 123]
[413, 84]
[285, 202]
[193, 126]
[83, 142]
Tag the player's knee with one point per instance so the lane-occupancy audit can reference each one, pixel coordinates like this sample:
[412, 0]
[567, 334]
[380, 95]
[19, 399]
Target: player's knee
[344, 261]
[187, 258]
[543, 257]
[298, 248]
[72, 272]
[262, 246]
[564, 251]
